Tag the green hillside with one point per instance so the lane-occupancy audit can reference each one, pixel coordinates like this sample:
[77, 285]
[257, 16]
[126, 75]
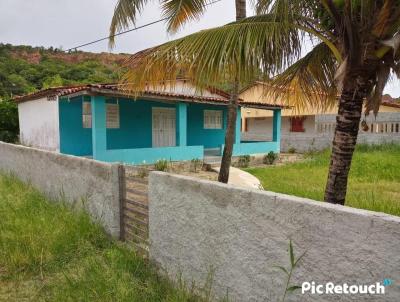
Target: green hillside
[25, 69]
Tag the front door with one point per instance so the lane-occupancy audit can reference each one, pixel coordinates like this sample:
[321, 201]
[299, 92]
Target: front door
[164, 127]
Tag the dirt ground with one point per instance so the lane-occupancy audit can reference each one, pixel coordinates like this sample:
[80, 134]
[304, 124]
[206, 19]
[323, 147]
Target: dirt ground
[186, 168]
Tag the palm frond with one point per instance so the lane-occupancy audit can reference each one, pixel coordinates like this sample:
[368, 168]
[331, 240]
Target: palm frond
[125, 14]
[375, 98]
[178, 12]
[237, 50]
[308, 83]
[285, 8]
[383, 20]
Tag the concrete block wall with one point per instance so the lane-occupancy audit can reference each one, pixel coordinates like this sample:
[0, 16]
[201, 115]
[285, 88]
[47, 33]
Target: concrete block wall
[200, 228]
[304, 143]
[91, 184]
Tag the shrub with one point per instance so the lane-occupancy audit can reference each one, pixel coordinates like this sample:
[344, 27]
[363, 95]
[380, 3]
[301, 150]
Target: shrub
[195, 163]
[9, 127]
[142, 172]
[161, 165]
[292, 150]
[270, 158]
[244, 161]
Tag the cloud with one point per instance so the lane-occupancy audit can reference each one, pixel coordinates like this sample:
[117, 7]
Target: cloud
[69, 23]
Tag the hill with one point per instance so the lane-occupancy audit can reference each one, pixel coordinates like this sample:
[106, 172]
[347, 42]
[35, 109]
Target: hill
[24, 69]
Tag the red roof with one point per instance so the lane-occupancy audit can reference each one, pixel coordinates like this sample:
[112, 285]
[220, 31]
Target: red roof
[116, 89]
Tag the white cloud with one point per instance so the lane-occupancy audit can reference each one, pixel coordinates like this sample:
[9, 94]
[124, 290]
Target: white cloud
[69, 23]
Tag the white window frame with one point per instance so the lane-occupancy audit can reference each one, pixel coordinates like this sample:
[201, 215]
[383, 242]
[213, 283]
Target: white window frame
[112, 116]
[213, 119]
[86, 115]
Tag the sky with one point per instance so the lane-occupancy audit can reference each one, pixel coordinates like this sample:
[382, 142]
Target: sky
[69, 23]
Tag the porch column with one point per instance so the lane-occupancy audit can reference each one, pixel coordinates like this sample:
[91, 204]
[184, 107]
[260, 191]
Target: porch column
[99, 135]
[238, 125]
[276, 135]
[181, 121]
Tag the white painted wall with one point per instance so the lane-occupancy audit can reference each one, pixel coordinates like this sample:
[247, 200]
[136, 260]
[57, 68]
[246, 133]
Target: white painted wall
[84, 183]
[261, 128]
[184, 87]
[200, 230]
[39, 124]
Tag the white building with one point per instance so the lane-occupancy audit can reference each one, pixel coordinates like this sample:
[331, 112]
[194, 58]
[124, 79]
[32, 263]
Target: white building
[312, 128]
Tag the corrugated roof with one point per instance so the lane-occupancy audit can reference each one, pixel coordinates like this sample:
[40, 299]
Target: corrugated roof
[118, 89]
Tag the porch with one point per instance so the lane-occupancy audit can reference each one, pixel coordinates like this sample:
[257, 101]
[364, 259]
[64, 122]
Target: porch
[142, 131]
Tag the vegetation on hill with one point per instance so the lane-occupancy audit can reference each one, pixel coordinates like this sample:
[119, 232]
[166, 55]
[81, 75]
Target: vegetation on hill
[25, 69]
[50, 253]
[373, 182]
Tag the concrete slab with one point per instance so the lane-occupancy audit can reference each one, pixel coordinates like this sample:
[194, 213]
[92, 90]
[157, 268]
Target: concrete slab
[242, 178]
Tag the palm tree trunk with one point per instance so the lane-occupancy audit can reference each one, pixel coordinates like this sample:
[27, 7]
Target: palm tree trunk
[232, 112]
[345, 138]
[229, 135]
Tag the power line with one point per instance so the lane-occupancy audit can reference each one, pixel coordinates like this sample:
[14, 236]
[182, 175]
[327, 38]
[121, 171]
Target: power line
[118, 34]
[126, 31]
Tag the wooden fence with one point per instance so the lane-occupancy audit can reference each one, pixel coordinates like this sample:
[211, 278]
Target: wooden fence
[134, 210]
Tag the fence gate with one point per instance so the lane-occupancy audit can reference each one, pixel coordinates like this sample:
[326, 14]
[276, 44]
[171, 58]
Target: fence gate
[134, 209]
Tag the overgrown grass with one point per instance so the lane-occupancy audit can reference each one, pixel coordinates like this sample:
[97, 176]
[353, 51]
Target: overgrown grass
[50, 253]
[374, 182]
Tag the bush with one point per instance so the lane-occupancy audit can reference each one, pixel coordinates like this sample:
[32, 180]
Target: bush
[142, 172]
[161, 165]
[9, 127]
[244, 161]
[195, 163]
[270, 158]
[292, 150]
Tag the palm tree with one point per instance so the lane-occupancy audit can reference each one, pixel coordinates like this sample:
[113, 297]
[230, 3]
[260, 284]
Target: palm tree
[355, 45]
[177, 13]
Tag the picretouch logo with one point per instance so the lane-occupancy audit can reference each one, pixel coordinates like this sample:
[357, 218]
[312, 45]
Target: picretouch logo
[331, 288]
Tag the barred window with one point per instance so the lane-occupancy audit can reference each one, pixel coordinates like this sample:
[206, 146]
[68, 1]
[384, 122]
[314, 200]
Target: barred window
[112, 116]
[213, 119]
[86, 115]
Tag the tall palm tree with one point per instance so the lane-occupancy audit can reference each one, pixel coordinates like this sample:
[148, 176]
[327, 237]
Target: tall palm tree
[177, 13]
[355, 49]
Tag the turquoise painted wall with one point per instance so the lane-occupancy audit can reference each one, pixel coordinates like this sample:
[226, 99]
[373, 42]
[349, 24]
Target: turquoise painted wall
[74, 139]
[132, 141]
[277, 124]
[99, 131]
[249, 148]
[181, 124]
[135, 124]
[196, 134]
[151, 155]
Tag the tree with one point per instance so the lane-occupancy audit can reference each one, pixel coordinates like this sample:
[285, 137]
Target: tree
[179, 12]
[54, 81]
[9, 127]
[355, 45]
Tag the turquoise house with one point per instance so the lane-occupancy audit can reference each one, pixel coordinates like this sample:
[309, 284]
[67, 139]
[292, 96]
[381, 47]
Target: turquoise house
[102, 122]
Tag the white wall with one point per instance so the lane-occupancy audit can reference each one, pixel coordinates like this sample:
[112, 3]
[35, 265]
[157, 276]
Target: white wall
[184, 87]
[39, 124]
[261, 128]
[239, 236]
[79, 181]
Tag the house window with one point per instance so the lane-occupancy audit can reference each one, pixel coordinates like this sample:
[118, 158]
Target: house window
[296, 124]
[112, 116]
[212, 119]
[87, 115]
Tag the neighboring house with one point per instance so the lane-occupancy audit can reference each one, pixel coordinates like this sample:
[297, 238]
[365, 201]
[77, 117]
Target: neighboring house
[167, 122]
[312, 128]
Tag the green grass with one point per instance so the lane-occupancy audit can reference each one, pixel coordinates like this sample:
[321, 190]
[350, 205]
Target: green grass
[49, 252]
[374, 181]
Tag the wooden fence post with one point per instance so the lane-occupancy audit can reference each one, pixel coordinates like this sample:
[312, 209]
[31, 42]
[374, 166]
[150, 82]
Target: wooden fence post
[122, 197]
